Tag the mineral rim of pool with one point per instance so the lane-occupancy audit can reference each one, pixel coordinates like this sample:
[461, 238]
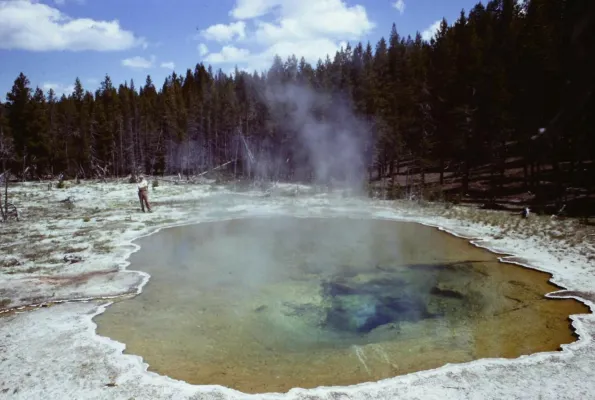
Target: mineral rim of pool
[267, 304]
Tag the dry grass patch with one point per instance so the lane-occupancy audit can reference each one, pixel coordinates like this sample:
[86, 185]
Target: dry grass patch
[83, 232]
[78, 279]
[9, 230]
[38, 254]
[569, 231]
[74, 249]
[104, 247]
[36, 236]
[9, 262]
[11, 249]
[29, 270]
[156, 222]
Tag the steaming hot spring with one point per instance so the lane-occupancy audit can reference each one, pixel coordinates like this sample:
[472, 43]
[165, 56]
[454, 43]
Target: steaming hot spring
[265, 304]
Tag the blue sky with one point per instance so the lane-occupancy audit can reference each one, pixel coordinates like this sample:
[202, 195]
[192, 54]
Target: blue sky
[54, 41]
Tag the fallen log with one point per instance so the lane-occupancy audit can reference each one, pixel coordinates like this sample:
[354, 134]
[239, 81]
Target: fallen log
[216, 168]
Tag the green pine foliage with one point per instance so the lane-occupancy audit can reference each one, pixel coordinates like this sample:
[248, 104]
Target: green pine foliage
[469, 102]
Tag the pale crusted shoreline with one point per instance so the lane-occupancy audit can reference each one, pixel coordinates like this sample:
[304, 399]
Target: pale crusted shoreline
[54, 352]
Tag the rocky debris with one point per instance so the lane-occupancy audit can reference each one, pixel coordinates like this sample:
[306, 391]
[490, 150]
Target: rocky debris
[72, 258]
[11, 262]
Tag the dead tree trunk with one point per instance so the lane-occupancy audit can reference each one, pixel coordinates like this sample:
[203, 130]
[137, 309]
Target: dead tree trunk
[235, 164]
[5, 176]
[6, 152]
[4, 179]
[24, 164]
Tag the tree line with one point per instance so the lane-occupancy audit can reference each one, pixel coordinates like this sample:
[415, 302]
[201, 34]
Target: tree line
[499, 94]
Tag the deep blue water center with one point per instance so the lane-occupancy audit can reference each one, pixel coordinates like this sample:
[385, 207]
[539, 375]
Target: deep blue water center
[362, 307]
[273, 303]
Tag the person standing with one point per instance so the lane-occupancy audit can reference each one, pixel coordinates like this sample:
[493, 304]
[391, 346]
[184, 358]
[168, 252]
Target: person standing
[525, 212]
[143, 193]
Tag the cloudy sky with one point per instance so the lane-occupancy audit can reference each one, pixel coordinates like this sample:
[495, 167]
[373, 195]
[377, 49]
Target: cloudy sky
[54, 41]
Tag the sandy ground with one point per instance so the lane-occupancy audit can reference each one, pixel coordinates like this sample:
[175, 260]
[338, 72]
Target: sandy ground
[49, 349]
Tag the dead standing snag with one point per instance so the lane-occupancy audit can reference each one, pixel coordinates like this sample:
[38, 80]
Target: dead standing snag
[7, 210]
[6, 154]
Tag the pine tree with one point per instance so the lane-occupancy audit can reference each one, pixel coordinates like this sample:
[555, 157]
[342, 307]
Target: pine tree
[381, 79]
[471, 99]
[38, 134]
[17, 104]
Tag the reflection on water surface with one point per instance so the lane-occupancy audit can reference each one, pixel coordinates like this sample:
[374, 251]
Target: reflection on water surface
[269, 304]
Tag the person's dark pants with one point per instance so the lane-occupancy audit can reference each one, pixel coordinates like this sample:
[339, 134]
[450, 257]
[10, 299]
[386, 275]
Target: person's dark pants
[143, 196]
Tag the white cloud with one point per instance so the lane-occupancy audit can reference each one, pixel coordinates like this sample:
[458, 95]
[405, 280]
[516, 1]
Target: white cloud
[429, 33]
[308, 28]
[203, 50]
[310, 50]
[33, 26]
[139, 62]
[58, 88]
[229, 54]
[225, 33]
[168, 65]
[248, 9]
[63, 2]
[315, 19]
[400, 6]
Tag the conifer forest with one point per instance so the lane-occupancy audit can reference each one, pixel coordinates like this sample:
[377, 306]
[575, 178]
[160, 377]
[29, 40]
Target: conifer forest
[498, 106]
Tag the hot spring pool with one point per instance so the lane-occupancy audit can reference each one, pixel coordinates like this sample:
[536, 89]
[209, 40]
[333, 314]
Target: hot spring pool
[267, 304]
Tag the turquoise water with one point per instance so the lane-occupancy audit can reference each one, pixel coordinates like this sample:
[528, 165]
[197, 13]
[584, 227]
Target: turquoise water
[267, 304]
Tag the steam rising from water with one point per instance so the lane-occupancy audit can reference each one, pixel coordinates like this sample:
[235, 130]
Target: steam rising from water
[330, 140]
[267, 304]
[323, 142]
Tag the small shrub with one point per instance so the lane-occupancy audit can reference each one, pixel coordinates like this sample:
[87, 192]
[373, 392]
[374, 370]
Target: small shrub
[63, 185]
[38, 253]
[5, 302]
[103, 248]
[395, 192]
[455, 198]
[423, 203]
[155, 183]
[82, 232]
[68, 205]
[74, 249]
[433, 193]
[86, 219]
[9, 262]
